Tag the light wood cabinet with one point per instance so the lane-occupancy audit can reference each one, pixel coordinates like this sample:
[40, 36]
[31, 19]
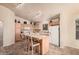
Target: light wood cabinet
[26, 26]
[54, 22]
[17, 31]
[44, 45]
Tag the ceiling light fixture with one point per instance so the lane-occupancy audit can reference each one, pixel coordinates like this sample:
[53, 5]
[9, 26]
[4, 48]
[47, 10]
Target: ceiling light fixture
[19, 5]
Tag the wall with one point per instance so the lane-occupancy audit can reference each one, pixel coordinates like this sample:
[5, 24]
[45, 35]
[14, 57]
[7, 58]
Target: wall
[68, 14]
[1, 33]
[7, 17]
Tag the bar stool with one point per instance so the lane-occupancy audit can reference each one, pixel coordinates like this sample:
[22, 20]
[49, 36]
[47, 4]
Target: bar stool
[28, 43]
[34, 44]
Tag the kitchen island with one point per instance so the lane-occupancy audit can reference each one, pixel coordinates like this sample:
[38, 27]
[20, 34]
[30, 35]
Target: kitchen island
[44, 42]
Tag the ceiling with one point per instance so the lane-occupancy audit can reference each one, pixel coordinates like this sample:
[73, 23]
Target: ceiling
[33, 11]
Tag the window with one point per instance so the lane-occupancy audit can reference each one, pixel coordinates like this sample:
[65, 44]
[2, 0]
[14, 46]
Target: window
[77, 29]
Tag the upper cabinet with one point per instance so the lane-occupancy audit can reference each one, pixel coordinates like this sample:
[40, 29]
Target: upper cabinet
[17, 30]
[54, 20]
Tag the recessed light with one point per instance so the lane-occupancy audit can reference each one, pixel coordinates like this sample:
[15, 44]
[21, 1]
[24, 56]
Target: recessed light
[19, 5]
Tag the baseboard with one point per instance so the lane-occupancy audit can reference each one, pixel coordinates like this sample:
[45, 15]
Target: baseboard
[53, 44]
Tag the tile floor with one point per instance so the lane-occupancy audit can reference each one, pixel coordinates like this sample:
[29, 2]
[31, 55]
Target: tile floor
[19, 48]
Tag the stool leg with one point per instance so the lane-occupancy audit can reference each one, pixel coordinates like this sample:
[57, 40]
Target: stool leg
[32, 50]
[29, 44]
[39, 49]
[32, 46]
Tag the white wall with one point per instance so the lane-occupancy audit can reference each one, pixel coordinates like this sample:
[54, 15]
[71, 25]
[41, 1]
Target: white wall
[68, 14]
[1, 33]
[7, 17]
[1, 30]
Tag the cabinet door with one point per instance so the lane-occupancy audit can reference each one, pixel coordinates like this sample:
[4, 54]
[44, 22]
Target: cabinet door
[18, 31]
[54, 22]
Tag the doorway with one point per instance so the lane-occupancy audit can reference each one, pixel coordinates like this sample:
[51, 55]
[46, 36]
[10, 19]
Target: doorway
[54, 30]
